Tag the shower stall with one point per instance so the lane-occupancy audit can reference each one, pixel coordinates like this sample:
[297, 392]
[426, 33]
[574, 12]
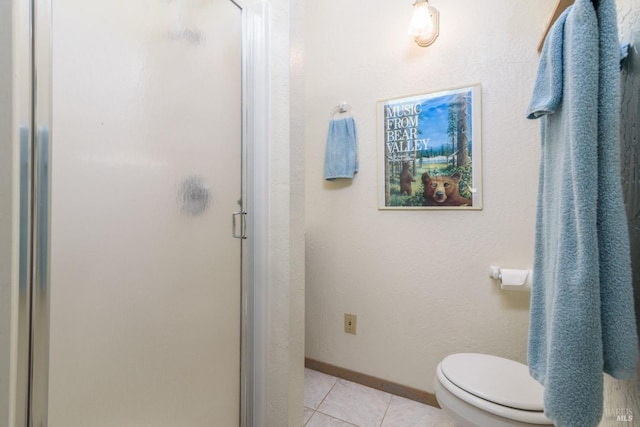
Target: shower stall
[137, 161]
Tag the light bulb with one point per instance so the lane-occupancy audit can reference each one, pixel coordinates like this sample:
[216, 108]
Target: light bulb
[421, 23]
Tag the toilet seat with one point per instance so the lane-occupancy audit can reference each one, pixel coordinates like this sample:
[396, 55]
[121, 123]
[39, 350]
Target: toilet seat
[495, 385]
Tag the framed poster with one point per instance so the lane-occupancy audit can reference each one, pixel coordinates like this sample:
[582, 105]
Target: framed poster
[429, 151]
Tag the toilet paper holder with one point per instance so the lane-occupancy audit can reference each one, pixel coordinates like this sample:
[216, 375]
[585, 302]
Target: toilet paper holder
[512, 279]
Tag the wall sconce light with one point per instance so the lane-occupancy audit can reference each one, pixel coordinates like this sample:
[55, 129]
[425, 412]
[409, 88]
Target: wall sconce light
[425, 23]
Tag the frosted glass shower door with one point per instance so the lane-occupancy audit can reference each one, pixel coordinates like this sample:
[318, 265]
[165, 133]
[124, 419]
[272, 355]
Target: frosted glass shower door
[145, 175]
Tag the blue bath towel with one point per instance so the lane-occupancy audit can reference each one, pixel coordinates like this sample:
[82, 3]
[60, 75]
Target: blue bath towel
[582, 315]
[341, 159]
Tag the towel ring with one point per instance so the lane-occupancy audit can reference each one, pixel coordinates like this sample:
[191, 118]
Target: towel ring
[341, 108]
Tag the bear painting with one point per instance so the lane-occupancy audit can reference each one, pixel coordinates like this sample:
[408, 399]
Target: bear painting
[443, 190]
[406, 178]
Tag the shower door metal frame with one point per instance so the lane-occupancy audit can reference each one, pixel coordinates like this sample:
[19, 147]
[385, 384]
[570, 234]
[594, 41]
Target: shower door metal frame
[23, 62]
[33, 32]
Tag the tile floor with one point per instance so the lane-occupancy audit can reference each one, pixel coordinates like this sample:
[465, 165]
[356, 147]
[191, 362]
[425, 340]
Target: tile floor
[333, 402]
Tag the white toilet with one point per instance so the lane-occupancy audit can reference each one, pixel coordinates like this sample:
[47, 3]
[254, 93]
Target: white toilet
[489, 391]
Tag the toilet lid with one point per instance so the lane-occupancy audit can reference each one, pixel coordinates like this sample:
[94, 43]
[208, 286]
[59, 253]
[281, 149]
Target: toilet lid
[501, 381]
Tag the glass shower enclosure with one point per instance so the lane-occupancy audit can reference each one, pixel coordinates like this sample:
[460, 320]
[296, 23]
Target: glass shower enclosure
[134, 214]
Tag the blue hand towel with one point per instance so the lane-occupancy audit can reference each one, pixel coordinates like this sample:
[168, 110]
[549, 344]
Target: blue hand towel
[341, 159]
[582, 316]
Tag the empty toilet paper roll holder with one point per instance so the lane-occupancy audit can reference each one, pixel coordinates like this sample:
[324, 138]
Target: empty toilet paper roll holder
[511, 279]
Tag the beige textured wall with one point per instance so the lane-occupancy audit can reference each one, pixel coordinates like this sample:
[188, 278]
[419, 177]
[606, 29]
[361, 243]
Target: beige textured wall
[418, 280]
[285, 365]
[297, 165]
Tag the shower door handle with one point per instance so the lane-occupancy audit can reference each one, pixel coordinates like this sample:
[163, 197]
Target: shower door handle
[243, 228]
